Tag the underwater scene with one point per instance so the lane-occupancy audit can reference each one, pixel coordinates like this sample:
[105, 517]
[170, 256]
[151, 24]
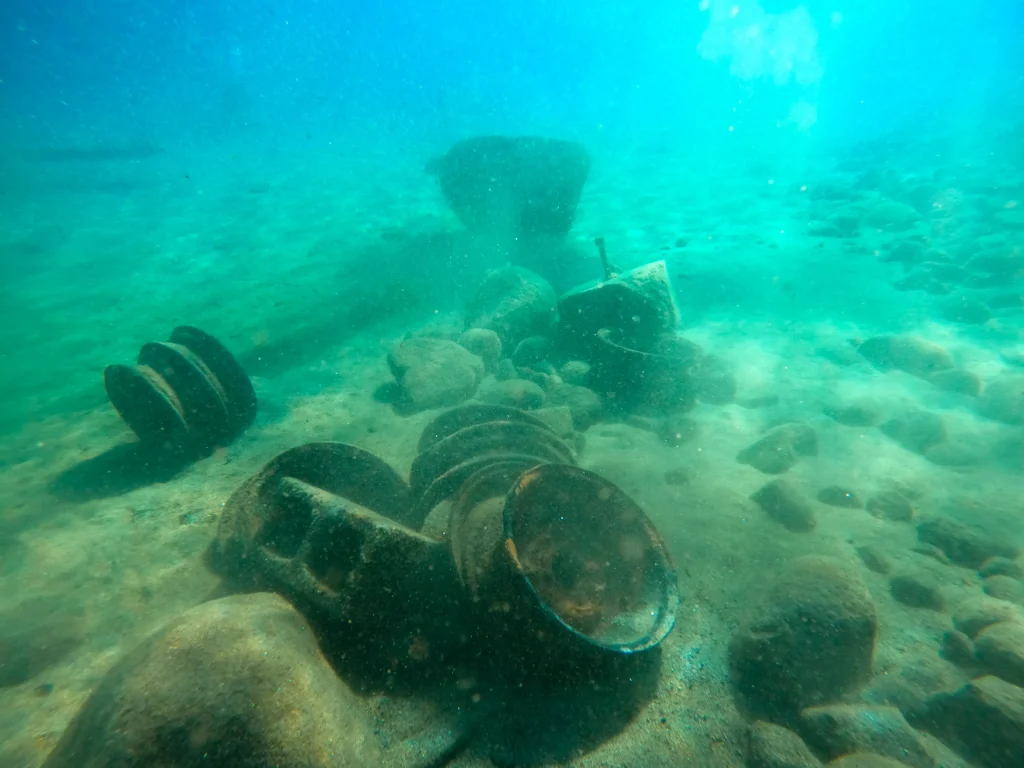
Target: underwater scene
[581, 384]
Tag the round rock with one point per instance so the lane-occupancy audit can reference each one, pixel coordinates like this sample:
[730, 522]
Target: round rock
[810, 639]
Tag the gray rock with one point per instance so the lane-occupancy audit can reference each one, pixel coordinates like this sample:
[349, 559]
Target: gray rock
[483, 343]
[957, 380]
[966, 310]
[999, 649]
[575, 372]
[955, 453]
[905, 353]
[983, 721]
[785, 505]
[772, 746]
[875, 559]
[975, 613]
[907, 683]
[236, 681]
[809, 640]
[434, 373]
[714, 383]
[844, 729]
[514, 303]
[962, 544]
[677, 429]
[530, 351]
[890, 215]
[1003, 400]
[559, 418]
[584, 403]
[1005, 588]
[506, 370]
[780, 449]
[518, 393]
[838, 496]
[917, 589]
[916, 430]
[891, 505]
[855, 415]
[905, 252]
[957, 648]
[1001, 566]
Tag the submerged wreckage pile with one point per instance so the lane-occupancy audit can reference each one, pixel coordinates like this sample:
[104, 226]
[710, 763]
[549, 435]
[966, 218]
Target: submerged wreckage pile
[500, 569]
[497, 534]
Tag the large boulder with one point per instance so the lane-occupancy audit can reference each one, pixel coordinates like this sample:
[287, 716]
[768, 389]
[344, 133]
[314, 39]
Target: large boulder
[1003, 400]
[513, 184]
[785, 505]
[434, 373]
[772, 746]
[963, 544]
[234, 682]
[845, 729]
[999, 649]
[780, 448]
[514, 303]
[810, 639]
[983, 721]
[905, 353]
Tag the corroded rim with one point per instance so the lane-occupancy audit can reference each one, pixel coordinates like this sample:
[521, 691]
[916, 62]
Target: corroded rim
[240, 395]
[144, 402]
[492, 436]
[446, 485]
[341, 469]
[657, 569]
[451, 421]
[201, 397]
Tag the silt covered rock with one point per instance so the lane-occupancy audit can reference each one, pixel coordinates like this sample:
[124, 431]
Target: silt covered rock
[809, 641]
[514, 303]
[780, 449]
[434, 373]
[237, 681]
[983, 721]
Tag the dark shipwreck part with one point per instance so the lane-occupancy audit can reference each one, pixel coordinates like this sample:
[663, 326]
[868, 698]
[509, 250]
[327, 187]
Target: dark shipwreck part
[563, 561]
[513, 184]
[187, 394]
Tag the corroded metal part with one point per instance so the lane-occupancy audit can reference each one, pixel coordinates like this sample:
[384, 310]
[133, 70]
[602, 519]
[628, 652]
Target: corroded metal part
[238, 390]
[489, 437]
[145, 403]
[451, 421]
[661, 378]
[187, 394]
[590, 557]
[202, 399]
[340, 469]
[475, 524]
[444, 486]
[321, 524]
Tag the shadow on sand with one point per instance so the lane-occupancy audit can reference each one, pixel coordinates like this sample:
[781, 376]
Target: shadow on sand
[119, 470]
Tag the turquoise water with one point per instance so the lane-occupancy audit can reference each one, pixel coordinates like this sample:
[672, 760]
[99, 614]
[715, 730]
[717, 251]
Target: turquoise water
[834, 471]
